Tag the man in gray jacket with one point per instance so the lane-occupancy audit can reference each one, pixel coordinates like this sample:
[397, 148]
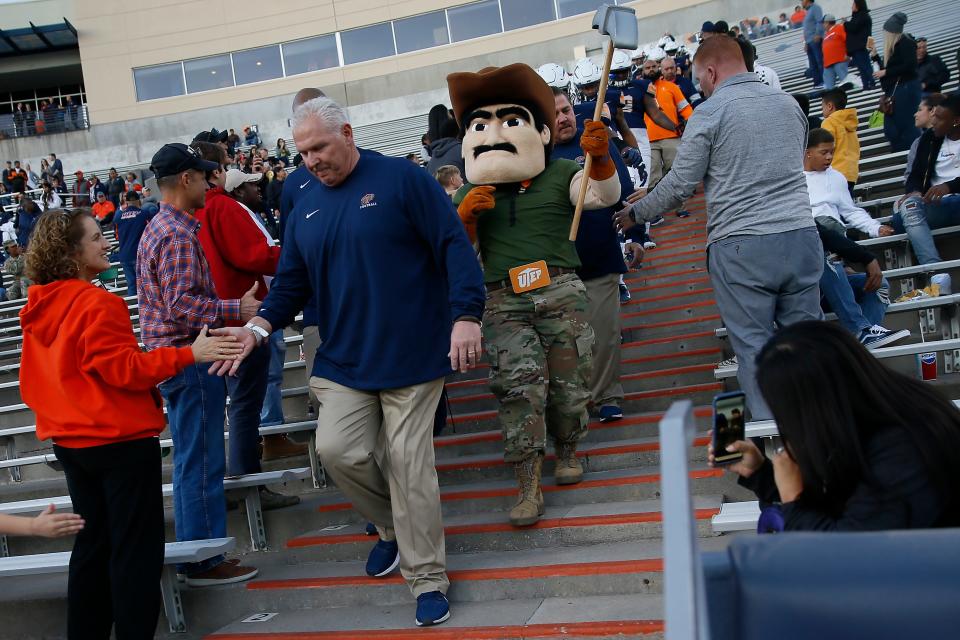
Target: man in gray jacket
[763, 251]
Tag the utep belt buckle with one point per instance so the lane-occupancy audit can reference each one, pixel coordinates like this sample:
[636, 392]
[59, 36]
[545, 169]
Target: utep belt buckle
[528, 277]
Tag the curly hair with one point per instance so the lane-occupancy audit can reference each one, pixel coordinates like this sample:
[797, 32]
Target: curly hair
[53, 244]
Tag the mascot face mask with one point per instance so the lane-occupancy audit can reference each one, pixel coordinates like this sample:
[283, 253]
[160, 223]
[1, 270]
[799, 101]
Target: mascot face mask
[501, 144]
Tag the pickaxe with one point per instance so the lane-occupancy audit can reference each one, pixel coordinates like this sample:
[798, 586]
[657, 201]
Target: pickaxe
[620, 23]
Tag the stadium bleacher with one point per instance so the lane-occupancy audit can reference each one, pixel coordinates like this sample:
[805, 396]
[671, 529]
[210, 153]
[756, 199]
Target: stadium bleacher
[571, 575]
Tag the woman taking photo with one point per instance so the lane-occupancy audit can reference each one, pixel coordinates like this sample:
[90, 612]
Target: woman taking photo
[865, 448]
[282, 153]
[860, 27]
[93, 392]
[900, 83]
[50, 199]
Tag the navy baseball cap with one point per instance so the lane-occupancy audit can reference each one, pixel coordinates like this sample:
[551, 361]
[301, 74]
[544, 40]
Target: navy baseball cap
[707, 27]
[176, 157]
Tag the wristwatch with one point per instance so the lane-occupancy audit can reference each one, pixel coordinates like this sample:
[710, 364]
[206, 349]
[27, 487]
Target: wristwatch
[259, 333]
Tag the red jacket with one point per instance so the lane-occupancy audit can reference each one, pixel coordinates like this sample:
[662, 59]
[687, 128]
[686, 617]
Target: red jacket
[235, 247]
[82, 371]
[835, 45]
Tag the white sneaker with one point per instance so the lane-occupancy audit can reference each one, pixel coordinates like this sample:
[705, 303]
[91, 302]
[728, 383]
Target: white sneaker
[730, 362]
[649, 244]
[877, 336]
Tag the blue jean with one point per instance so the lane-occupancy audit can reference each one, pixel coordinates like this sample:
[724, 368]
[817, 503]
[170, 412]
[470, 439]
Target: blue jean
[815, 59]
[272, 412]
[195, 404]
[861, 60]
[246, 391]
[130, 273]
[835, 74]
[898, 127]
[917, 218]
[856, 308]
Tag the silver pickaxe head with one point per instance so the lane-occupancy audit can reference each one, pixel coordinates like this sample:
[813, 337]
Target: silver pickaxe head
[620, 23]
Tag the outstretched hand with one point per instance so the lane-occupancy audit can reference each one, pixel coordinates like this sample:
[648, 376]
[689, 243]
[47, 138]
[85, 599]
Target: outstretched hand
[622, 221]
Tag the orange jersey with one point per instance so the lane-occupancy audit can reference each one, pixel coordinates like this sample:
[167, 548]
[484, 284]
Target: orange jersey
[673, 103]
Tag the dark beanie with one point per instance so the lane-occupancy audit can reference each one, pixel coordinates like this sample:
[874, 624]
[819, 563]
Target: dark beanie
[894, 23]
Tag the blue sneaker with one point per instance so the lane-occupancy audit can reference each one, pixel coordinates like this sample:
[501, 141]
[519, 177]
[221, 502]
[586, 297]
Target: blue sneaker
[610, 413]
[432, 608]
[383, 558]
[624, 294]
[657, 221]
[683, 213]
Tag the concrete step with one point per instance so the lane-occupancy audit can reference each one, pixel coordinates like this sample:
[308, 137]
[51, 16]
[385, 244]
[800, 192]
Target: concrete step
[596, 617]
[582, 524]
[684, 321]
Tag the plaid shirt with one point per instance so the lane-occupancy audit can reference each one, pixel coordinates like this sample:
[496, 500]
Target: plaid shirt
[176, 292]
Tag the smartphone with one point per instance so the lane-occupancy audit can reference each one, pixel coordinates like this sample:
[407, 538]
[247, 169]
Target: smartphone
[728, 425]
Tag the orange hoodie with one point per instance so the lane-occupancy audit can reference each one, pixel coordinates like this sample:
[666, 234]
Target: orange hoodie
[82, 371]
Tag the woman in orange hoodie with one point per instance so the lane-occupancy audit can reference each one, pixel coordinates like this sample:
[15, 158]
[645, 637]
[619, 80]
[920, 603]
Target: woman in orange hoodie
[93, 392]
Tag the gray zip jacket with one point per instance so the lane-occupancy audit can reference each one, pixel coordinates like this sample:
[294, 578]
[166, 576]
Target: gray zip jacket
[746, 144]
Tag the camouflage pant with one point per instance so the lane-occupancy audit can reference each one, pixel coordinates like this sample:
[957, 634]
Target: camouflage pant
[539, 347]
[18, 289]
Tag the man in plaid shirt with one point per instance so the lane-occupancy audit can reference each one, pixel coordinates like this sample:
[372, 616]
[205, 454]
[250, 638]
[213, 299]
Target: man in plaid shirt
[177, 298]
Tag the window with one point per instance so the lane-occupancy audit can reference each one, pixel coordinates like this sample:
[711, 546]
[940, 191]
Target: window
[523, 13]
[421, 32]
[204, 74]
[312, 54]
[573, 7]
[255, 65]
[367, 43]
[474, 20]
[161, 81]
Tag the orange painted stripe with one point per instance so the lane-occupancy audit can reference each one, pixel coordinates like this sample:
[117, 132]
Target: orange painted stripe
[534, 572]
[472, 417]
[653, 262]
[675, 391]
[500, 527]
[696, 226]
[678, 307]
[674, 242]
[671, 356]
[654, 287]
[664, 339]
[669, 296]
[640, 276]
[654, 256]
[675, 371]
[696, 259]
[673, 323]
[551, 630]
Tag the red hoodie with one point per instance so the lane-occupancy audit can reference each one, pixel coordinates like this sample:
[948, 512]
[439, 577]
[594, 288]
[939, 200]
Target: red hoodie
[236, 249]
[82, 371]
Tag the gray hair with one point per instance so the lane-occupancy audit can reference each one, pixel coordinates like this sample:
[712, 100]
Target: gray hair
[329, 112]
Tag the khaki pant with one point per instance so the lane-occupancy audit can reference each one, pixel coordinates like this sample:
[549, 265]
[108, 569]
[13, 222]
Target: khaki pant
[603, 314]
[662, 154]
[401, 495]
[311, 342]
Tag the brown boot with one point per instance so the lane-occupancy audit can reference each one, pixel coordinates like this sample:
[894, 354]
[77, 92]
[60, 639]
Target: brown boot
[568, 469]
[529, 505]
[279, 446]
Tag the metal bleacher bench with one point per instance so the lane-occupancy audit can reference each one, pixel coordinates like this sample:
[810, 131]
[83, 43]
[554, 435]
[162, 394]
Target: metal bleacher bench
[175, 553]
[248, 484]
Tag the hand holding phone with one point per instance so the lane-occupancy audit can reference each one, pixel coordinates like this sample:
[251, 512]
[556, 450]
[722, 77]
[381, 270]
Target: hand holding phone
[728, 426]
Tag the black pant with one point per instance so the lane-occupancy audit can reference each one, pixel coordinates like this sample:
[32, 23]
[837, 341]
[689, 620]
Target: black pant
[247, 390]
[118, 556]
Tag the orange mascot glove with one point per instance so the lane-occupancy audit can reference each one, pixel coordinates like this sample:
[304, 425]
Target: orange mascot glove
[596, 143]
[477, 200]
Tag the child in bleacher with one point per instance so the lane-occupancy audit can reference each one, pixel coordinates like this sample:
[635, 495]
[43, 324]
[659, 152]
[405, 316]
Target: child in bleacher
[46, 525]
[842, 125]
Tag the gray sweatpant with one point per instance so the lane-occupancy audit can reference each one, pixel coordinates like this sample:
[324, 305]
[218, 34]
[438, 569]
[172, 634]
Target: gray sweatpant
[759, 282]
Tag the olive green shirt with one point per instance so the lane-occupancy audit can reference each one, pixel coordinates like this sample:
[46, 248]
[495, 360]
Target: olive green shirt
[528, 226]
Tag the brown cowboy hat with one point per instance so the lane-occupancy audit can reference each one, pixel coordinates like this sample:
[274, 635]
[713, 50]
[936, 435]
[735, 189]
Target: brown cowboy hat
[513, 84]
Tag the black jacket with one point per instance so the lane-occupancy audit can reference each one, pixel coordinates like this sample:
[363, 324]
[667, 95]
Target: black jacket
[850, 251]
[902, 65]
[899, 494]
[933, 73]
[920, 177]
[858, 28]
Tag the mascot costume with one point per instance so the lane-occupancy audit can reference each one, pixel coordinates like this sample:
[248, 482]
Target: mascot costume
[517, 205]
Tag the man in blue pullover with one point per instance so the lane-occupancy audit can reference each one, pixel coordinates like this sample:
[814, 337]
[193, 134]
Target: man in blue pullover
[601, 264]
[399, 295]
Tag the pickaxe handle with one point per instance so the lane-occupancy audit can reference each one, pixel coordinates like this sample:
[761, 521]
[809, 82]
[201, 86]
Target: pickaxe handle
[588, 162]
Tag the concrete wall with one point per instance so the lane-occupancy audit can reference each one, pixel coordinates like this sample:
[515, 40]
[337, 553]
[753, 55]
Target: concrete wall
[126, 132]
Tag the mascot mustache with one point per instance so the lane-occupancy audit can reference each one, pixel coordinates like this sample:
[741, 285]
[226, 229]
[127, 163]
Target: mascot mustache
[500, 146]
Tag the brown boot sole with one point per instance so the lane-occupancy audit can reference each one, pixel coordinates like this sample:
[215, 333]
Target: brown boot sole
[565, 479]
[525, 522]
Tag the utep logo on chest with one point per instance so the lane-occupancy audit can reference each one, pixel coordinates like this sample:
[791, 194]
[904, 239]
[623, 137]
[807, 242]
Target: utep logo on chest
[369, 200]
